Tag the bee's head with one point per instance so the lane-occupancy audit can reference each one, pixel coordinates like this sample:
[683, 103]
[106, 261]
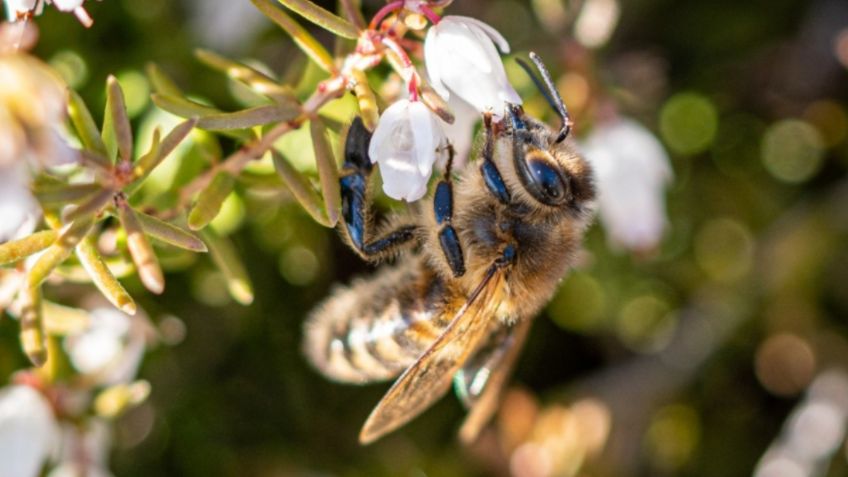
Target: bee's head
[548, 166]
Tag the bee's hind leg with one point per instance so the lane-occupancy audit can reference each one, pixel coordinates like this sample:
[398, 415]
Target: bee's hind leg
[356, 223]
[443, 209]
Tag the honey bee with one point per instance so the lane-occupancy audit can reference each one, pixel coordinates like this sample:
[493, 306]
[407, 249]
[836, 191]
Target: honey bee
[477, 261]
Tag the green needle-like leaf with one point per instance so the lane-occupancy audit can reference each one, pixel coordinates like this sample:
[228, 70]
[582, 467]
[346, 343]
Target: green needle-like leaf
[322, 18]
[118, 120]
[214, 119]
[84, 124]
[170, 234]
[301, 189]
[160, 151]
[19, 249]
[102, 277]
[32, 326]
[141, 251]
[161, 82]
[328, 170]
[90, 206]
[210, 199]
[226, 258]
[302, 38]
[59, 251]
[253, 78]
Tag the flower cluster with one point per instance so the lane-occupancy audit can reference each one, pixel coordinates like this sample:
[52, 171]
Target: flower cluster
[465, 69]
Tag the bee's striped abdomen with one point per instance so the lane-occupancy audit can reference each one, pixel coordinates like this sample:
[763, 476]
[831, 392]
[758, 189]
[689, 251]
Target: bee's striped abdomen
[374, 329]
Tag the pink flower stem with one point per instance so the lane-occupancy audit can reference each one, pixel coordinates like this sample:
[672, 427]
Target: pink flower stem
[384, 12]
[407, 64]
[430, 14]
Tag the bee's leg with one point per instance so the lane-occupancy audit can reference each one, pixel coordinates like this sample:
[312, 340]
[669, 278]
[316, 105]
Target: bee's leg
[443, 209]
[491, 175]
[355, 208]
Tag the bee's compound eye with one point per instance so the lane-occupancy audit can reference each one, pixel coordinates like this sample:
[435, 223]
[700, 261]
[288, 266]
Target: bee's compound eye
[549, 181]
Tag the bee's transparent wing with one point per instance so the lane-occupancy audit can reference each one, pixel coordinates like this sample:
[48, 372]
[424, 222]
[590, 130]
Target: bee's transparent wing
[429, 378]
[480, 382]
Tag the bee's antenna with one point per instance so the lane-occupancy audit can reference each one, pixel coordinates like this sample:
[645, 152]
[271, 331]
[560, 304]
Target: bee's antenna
[550, 93]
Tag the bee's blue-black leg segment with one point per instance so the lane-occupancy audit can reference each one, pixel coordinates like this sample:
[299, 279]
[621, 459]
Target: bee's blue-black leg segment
[355, 208]
[443, 210]
[488, 169]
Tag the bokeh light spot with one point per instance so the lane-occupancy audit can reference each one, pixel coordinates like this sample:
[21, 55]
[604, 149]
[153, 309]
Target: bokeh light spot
[646, 324]
[299, 265]
[793, 150]
[672, 437]
[784, 364]
[580, 303]
[230, 217]
[688, 123]
[71, 67]
[724, 249]
[136, 91]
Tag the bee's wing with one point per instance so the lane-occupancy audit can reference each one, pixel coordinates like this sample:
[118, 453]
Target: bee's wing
[430, 377]
[480, 383]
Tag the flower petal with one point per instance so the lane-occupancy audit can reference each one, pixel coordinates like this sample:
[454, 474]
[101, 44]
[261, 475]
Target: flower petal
[427, 136]
[382, 139]
[432, 63]
[28, 430]
[495, 35]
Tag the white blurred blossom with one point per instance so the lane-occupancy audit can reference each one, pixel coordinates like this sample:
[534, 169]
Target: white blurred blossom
[461, 60]
[214, 23]
[405, 145]
[84, 450]
[596, 22]
[813, 432]
[29, 434]
[632, 171]
[111, 348]
[461, 132]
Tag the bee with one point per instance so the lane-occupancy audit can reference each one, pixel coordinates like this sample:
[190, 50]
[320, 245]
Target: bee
[477, 261]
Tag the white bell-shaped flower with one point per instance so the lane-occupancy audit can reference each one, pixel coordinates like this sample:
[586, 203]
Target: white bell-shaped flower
[29, 434]
[461, 60]
[461, 132]
[632, 170]
[111, 348]
[405, 145]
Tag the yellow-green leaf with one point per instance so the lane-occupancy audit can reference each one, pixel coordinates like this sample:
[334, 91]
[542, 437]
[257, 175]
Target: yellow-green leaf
[253, 78]
[141, 251]
[328, 170]
[84, 124]
[161, 82]
[210, 199]
[302, 38]
[117, 128]
[170, 234]
[226, 258]
[102, 277]
[322, 17]
[301, 189]
[19, 249]
[32, 326]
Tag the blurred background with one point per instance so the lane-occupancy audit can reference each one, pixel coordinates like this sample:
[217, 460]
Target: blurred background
[707, 338]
